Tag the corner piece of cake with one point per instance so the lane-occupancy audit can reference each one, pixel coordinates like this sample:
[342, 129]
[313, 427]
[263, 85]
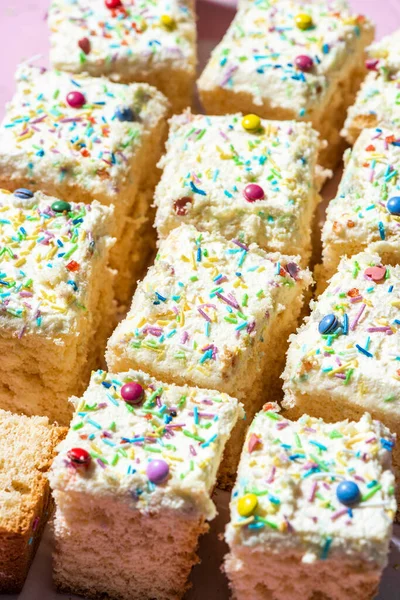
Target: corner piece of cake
[127, 41]
[132, 484]
[243, 177]
[56, 299]
[312, 510]
[290, 60]
[213, 313]
[366, 210]
[344, 360]
[377, 102]
[27, 448]
[83, 138]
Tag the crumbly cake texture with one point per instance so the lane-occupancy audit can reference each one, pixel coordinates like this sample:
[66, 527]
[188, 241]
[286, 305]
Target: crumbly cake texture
[212, 163]
[26, 452]
[377, 101]
[152, 42]
[56, 299]
[212, 312]
[366, 210]
[147, 468]
[106, 149]
[344, 359]
[308, 67]
[311, 500]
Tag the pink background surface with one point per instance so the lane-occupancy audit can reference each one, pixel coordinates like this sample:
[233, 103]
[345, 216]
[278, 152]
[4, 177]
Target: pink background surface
[23, 35]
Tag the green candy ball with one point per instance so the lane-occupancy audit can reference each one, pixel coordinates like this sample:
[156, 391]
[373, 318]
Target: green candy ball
[60, 206]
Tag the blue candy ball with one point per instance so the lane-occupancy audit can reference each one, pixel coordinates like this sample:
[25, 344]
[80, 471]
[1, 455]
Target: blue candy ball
[328, 324]
[393, 205]
[348, 493]
[23, 193]
[125, 113]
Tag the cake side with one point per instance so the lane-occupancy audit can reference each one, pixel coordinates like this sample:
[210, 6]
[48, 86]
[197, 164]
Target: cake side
[111, 565]
[26, 451]
[257, 185]
[352, 578]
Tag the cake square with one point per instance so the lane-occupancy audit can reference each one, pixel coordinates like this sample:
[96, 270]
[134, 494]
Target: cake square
[282, 60]
[312, 509]
[213, 313]
[27, 448]
[56, 299]
[82, 139]
[257, 186]
[343, 360]
[366, 210]
[134, 478]
[377, 101]
[127, 41]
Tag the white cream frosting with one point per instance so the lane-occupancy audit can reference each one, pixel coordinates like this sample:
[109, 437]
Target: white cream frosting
[359, 216]
[46, 263]
[210, 161]
[183, 426]
[45, 141]
[359, 360]
[257, 54]
[294, 468]
[203, 308]
[139, 37]
[378, 98]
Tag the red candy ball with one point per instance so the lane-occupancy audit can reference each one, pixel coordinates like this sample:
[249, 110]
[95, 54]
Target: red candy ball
[304, 63]
[111, 4]
[84, 45]
[253, 192]
[372, 64]
[376, 274]
[132, 392]
[76, 99]
[79, 457]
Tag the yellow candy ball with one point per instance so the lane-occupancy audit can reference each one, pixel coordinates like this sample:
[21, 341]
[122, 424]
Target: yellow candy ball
[303, 21]
[167, 21]
[247, 504]
[251, 122]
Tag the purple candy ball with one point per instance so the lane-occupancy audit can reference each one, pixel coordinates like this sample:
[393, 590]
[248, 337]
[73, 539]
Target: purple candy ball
[157, 471]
